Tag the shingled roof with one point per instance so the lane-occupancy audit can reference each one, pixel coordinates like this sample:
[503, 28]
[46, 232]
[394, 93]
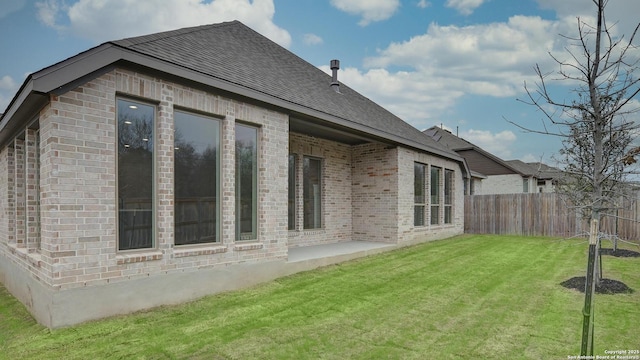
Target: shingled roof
[478, 159]
[232, 57]
[537, 169]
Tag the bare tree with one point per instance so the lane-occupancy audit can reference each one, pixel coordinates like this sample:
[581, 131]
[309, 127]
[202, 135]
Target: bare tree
[598, 153]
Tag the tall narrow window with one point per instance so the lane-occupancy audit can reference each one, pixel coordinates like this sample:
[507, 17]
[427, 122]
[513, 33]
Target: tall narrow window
[135, 175]
[525, 185]
[37, 189]
[11, 193]
[419, 194]
[435, 195]
[292, 192]
[20, 190]
[448, 196]
[312, 189]
[246, 182]
[196, 169]
[32, 190]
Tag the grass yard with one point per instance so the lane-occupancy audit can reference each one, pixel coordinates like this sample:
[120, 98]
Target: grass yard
[470, 297]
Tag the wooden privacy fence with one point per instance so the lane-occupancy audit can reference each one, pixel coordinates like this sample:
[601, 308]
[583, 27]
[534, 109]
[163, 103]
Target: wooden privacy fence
[542, 214]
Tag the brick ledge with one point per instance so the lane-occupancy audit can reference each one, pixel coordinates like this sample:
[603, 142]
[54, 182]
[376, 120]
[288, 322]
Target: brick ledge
[138, 257]
[210, 250]
[246, 247]
[31, 255]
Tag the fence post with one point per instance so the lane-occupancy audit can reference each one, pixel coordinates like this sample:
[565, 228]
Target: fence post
[586, 348]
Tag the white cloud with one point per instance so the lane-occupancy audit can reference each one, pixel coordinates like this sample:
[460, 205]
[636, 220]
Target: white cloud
[369, 10]
[312, 39]
[499, 144]
[414, 97]
[528, 158]
[621, 16]
[424, 77]
[99, 20]
[423, 4]
[10, 6]
[494, 53]
[48, 12]
[465, 7]
[7, 83]
[447, 62]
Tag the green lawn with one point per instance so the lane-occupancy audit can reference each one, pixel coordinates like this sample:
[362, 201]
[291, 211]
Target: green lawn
[470, 297]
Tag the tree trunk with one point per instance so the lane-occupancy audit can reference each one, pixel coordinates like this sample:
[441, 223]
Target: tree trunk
[599, 128]
[586, 348]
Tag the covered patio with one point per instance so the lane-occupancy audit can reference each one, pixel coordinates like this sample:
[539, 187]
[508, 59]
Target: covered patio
[303, 258]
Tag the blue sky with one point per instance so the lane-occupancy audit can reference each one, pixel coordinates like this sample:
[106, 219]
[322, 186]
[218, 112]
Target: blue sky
[456, 63]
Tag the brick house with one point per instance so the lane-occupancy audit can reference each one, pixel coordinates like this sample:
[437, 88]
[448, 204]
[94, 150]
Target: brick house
[158, 169]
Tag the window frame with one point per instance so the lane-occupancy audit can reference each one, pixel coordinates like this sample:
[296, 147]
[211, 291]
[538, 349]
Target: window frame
[435, 199]
[320, 199]
[292, 193]
[449, 194]
[154, 168]
[253, 235]
[20, 226]
[217, 192]
[419, 221]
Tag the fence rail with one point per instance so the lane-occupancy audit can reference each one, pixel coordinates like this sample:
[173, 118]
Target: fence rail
[542, 214]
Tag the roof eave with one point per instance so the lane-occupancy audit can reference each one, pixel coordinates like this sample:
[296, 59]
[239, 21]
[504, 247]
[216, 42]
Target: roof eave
[221, 84]
[32, 103]
[58, 77]
[33, 95]
[209, 80]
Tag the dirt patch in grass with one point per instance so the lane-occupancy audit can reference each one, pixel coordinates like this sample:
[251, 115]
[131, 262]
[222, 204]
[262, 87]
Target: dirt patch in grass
[620, 253]
[607, 286]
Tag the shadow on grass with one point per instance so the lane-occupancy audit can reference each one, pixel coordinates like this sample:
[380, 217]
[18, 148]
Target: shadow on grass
[607, 286]
[620, 253]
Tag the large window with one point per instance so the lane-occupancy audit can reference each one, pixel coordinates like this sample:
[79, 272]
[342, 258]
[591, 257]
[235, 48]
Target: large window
[448, 196]
[292, 192]
[419, 194]
[436, 173]
[196, 165]
[135, 174]
[246, 182]
[312, 189]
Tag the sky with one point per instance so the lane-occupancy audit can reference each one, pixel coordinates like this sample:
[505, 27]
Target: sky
[458, 64]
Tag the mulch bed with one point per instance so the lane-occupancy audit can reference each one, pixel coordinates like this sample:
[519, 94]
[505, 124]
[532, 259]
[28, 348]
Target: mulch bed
[620, 253]
[607, 286]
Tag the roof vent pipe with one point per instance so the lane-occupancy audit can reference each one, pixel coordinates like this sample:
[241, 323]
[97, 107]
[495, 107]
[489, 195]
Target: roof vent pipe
[335, 66]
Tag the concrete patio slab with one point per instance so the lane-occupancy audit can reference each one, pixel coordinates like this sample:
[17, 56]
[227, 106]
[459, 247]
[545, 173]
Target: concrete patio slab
[310, 257]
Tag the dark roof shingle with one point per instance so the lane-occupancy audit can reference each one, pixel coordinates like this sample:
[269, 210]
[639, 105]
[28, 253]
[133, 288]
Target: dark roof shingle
[236, 59]
[234, 52]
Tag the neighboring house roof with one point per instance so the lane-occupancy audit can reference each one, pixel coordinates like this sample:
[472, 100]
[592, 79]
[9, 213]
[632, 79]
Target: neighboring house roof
[477, 175]
[478, 160]
[536, 169]
[546, 172]
[237, 60]
[522, 167]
